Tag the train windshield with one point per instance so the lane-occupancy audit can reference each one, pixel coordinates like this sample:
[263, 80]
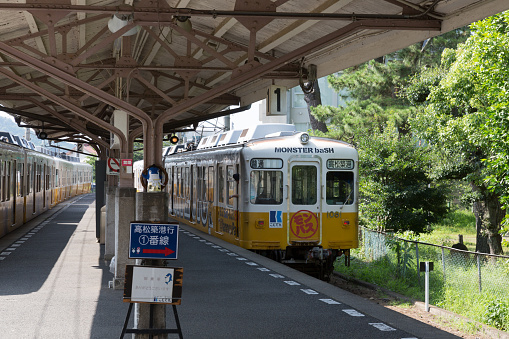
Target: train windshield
[266, 187]
[304, 185]
[339, 188]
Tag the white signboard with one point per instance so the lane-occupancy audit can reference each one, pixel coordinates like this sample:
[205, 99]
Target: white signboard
[152, 285]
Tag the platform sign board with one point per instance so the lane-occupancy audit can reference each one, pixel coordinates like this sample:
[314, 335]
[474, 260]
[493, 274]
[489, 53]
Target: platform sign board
[113, 167]
[153, 284]
[153, 241]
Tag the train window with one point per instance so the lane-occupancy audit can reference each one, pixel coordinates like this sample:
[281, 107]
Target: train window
[38, 178]
[230, 170]
[210, 184]
[266, 187]
[266, 163]
[221, 185]
[29, 176]
[7, 185]
[187, 183]
[304, 185]
[339, 188]
[202, 184]
[19, 179]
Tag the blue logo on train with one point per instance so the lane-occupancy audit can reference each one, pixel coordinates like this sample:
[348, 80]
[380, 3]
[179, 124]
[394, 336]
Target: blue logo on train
[275, 219]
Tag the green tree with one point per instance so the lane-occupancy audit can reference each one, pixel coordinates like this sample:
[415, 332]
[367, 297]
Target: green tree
[397, 192]
[372, 90]
[464, 116]
[91, 161]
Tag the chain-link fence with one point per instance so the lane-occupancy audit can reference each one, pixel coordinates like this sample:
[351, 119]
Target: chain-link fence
[460, 279]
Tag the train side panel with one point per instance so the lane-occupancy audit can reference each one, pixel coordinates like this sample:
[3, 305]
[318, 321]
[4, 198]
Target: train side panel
[30, 183]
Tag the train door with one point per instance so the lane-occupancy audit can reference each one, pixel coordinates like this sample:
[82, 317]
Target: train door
[44, 185]
[14, 189]
[210, 184]
[232, 198]
[304, 203]
[220, 199]
[32, 183]
[192, 192]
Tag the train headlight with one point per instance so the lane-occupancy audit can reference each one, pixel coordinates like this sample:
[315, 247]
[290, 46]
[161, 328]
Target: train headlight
[304, 138]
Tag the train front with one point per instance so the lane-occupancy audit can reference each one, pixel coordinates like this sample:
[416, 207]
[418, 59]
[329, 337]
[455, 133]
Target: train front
[303, 195]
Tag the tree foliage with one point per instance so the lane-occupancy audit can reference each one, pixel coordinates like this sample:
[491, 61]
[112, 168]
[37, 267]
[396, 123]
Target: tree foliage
[465, 102]
[397, 192]
[397, 187]
[372, 90]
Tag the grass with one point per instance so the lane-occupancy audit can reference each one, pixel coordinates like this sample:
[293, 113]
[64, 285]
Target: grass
[457, 290]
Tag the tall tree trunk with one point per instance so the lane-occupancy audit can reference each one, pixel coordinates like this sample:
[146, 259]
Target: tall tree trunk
[488, 218]
[313, 99]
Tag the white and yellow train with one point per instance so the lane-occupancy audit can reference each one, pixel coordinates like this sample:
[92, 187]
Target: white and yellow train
[32, 182]
[272, 190]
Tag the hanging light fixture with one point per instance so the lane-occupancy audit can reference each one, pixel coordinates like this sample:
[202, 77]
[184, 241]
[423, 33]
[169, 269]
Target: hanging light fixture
[183, 22]
[118, 22]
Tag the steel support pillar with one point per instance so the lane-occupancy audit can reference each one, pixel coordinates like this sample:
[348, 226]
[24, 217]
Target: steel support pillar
[151, 207]
[109, 246]
[100, 181]
[125, 201]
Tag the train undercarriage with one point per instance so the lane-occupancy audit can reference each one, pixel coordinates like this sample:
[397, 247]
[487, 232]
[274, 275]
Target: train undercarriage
[312, 260]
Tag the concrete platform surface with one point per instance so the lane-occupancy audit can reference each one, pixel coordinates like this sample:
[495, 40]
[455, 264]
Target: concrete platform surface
[54, 284]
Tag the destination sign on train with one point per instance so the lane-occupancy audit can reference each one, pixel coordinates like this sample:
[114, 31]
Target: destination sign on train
[344, 164]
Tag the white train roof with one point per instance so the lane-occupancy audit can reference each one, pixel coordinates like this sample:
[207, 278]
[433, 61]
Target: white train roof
[246, 135]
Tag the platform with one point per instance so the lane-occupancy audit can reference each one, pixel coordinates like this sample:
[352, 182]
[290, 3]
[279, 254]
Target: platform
[54, 284]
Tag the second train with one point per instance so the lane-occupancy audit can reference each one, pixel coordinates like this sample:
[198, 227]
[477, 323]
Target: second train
[270, 189]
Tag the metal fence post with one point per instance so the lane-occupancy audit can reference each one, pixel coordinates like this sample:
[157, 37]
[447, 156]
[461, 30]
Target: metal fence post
[479, 271]
[417, 258]
[443, 263]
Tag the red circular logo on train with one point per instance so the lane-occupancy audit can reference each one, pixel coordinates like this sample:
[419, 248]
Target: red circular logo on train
[304, 224]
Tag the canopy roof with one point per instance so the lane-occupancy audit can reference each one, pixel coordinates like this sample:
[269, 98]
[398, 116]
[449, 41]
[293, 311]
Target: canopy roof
[68, 64]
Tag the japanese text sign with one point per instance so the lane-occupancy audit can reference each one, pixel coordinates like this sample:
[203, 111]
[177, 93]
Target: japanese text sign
[153, 241]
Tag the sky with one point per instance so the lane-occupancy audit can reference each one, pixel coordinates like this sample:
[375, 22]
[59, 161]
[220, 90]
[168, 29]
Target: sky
[247, 118]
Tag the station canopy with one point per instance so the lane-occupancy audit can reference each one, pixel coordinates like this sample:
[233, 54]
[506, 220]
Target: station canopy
[68, 65]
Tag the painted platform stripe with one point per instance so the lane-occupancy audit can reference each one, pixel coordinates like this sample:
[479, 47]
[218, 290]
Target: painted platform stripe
[353, 313]
[330, 301]
[251, 263]
[309, 291]
[10, 249]
[240, 258]
[5, 253]
[231, 254]
[279, 276]
[223, 250]
[2, 258]
[263, 269]
[382, 327]
[292, 283]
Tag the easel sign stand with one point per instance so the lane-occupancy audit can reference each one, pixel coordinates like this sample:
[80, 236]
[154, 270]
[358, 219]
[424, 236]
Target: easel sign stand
[153, 285]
